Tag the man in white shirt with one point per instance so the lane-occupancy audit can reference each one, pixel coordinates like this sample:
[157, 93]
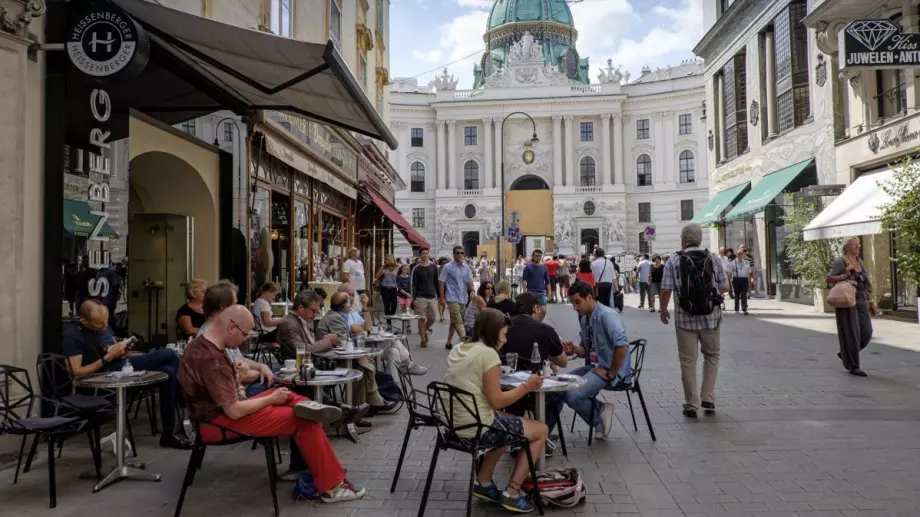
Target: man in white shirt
[741, 274]
[353, 271]
[604, 274]
[645, 265]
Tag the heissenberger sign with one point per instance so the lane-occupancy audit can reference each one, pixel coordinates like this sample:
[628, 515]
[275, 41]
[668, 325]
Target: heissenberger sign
[877, 44]
[105, 41]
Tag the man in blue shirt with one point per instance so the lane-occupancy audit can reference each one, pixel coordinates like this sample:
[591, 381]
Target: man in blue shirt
[535, 279]
[604, 341]
[456, 284]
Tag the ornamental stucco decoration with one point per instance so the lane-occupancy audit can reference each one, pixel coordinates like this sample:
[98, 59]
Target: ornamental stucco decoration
[821, 71]
[525, 67]
[17, 24]
[755, 112]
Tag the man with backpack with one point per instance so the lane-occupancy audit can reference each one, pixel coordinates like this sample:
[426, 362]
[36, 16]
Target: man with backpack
[697, 278]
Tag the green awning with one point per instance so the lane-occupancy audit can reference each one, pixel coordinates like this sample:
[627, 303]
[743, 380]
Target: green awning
[80, 223]
[713, 210]
[763, 193]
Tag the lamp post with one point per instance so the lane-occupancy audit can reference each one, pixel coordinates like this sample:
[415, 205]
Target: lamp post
[501, 238]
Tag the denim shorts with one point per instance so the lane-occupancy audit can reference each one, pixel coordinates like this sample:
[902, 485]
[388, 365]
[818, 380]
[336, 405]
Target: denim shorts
[541, 297]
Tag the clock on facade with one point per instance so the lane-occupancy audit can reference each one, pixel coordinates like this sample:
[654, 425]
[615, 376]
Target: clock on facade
[528, 156]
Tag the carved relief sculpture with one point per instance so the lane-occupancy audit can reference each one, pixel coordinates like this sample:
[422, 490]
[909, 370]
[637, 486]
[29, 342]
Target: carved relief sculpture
[755, 112]
[444, 82]
[525, 66]
[821, 71]
[19, 25]
[610, 75]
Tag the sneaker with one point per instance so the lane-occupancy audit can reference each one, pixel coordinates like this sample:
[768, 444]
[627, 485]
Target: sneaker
[708, 407]
[416, 369]
[344, 491]
[516, 503]
[603, 430]
[313, 410]
[489, 493]
[550, 448]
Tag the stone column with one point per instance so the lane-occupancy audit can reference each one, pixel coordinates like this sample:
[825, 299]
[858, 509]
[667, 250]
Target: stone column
[452, 155]
[498, 150]
[442, 155]
[569, 150]
[557, 150]
[770, 68]
[605, 150]
[489, 179]
[618, 138]
[720, 120]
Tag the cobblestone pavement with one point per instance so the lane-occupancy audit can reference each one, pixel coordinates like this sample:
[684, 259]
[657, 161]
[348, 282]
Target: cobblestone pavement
[794, 435]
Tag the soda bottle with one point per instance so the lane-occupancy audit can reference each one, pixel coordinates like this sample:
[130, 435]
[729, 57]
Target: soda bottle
[535, 362]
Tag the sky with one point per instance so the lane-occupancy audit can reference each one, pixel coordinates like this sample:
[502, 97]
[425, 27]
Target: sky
[428, 35]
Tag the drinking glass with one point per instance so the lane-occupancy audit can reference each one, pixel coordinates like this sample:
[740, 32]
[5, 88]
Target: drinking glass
[511, 359]
[180, 346]
[360, 340]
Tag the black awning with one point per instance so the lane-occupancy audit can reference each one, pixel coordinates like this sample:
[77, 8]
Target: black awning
[198, 66]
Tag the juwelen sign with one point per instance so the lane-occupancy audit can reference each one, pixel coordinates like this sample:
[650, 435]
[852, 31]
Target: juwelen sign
[878, 44]
[104, 41]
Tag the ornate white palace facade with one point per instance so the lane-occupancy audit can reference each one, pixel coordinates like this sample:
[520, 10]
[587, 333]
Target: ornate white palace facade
[615, 160]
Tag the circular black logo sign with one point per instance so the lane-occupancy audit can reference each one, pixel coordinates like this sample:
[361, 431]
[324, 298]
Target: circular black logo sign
[105, 41]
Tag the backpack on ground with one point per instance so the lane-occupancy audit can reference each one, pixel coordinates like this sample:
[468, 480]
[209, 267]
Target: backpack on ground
[563, 487]
[698, 294]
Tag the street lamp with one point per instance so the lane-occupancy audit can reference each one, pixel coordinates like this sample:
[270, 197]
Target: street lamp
[501, 238]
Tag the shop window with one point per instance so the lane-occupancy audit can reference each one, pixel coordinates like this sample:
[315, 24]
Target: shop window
[686, 209]
[417, 177]
[228, 131]
[734, 84]
[587, 131]
[471, 175]
[685, 124]
[189, 127]
[335, 22]
[281, 21]
[418, 137]
[644, 171]
[588, 176]
[418, 217]
[301, 244]
[642, 129]
[687, 168]
[790, 48]
[645, 212]
[469, 136]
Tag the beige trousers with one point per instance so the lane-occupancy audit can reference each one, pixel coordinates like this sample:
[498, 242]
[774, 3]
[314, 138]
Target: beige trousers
[687, 351]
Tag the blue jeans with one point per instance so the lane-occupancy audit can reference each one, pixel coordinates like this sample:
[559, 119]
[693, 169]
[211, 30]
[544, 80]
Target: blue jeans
[255, 388]
[580, 400]
[166, 361]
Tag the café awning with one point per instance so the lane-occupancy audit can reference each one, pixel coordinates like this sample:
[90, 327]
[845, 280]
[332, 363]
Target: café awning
[713, 210]
[199, 66]
[770, 186]
[80, 223]
[393, 214]
[855, 212]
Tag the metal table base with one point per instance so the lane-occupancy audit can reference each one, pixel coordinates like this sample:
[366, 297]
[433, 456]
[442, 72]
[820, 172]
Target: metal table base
[123, 469]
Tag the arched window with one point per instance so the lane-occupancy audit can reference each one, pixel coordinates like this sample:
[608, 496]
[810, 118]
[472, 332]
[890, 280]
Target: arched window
[644, 171]
[417, 177]
[471, 175]
[588, 177]
[687, 167]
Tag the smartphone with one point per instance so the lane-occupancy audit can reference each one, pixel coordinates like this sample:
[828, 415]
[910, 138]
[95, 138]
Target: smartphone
[130, 342]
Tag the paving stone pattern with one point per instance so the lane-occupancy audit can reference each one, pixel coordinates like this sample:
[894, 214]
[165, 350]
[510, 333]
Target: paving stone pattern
[794, 435]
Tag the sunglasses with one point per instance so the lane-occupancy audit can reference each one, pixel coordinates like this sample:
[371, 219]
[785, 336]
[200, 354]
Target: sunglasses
[458, 253]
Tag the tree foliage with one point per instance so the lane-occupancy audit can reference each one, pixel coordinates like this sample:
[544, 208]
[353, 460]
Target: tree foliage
[901, 217]
[811, 260]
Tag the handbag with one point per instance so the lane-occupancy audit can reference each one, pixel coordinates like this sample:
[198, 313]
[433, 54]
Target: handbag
[842, 295]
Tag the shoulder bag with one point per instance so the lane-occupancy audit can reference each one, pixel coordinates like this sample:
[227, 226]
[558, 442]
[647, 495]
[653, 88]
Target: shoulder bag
[842, 295]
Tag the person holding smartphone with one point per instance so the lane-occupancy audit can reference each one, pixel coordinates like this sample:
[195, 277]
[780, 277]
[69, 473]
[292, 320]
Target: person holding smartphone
[91, 347]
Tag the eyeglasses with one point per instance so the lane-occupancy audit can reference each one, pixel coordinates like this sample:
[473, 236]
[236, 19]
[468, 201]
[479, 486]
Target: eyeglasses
[237, 327]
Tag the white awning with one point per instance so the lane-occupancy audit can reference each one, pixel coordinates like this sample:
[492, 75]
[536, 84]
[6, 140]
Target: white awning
[260, 71]
[855, 212]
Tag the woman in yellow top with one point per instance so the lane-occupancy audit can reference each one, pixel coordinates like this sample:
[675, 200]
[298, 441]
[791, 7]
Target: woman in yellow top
[475, 367]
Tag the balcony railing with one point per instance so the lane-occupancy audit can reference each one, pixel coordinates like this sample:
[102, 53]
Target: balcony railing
[689, 185]
[645, 188]
[588, 190]
[589, 88]
[469, 192]
[467, 94]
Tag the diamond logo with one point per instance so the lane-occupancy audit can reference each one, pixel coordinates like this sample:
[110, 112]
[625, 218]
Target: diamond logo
[872, 33]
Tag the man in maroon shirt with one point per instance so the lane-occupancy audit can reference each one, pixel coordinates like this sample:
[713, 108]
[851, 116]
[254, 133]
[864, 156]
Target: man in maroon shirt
[210, 384]
[552, 267]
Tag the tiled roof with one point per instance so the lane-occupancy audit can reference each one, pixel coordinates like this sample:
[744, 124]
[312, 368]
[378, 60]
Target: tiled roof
[688, 68]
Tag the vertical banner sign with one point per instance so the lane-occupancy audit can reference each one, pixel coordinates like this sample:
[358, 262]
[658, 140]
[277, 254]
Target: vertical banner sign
[877, 44]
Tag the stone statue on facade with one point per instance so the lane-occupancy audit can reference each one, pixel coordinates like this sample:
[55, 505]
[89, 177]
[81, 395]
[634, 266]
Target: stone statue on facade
[444, 82]
[493, 229]
[525, 65]
[611, 75]
[614, 229]
[564, 230]
[446, 231]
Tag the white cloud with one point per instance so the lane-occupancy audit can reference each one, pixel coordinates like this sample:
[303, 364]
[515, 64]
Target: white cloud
[600, 25]
[429, 56]
[680, 28]
[478, 4]
[461, 41]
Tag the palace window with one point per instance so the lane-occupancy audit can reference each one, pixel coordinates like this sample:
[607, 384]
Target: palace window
[686, 209]
[471, 175]
[189, 127]
[418, 137]
[645, 212]
[588, 176]
[417, 177]
[469, 135]
[644, 171]
[418, 217]
[642, 129]
[685, 124]
[687, 167]
[587, 131]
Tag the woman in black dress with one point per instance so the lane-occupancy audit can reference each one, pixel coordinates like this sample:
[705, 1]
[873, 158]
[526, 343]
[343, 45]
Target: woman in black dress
[854, 324]
[190, 317]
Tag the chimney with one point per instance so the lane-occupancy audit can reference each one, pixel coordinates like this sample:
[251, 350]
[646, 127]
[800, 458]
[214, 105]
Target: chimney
[645, 71]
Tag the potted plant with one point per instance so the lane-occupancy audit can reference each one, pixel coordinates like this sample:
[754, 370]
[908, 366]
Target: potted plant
[810, 260]
[901, 217]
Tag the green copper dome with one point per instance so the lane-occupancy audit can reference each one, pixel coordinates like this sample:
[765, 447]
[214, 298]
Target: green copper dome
[511, 11]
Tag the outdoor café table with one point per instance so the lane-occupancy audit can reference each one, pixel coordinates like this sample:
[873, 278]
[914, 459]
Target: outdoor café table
[120, 383]
[556, 383]
[339, 354]
[404, 318]
[322, 380]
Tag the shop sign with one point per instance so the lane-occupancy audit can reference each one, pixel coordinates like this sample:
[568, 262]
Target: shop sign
[891, 137]
[878, 44]
[732, 174]
[100, 105]
[321, 141]
[823, 190]
[105, 41]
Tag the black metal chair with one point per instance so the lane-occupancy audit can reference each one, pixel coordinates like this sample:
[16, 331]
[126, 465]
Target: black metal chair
[228, 437]
[419, 414]
[17, 401]
[445, 400]
[638, 358]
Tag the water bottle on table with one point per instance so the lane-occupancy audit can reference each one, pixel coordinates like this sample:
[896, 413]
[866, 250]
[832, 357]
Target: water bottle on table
[535, 362]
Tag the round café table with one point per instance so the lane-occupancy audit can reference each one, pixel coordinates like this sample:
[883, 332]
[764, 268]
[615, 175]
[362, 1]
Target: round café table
[404, 319]
[555, 384]
[120, 383]
[348, 358]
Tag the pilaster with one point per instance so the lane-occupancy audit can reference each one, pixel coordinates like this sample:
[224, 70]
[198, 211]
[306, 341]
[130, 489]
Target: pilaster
[488, 161]
[442, 155]
[618, 137]
[569, 151]
[557, 150]
[452, 178]
[605, 150]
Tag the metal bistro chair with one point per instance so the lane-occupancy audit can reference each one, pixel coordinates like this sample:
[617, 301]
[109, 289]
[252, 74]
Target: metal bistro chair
[444, 399]
[228, 437]
[16, 404]
[638, 357]
[419, 414]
